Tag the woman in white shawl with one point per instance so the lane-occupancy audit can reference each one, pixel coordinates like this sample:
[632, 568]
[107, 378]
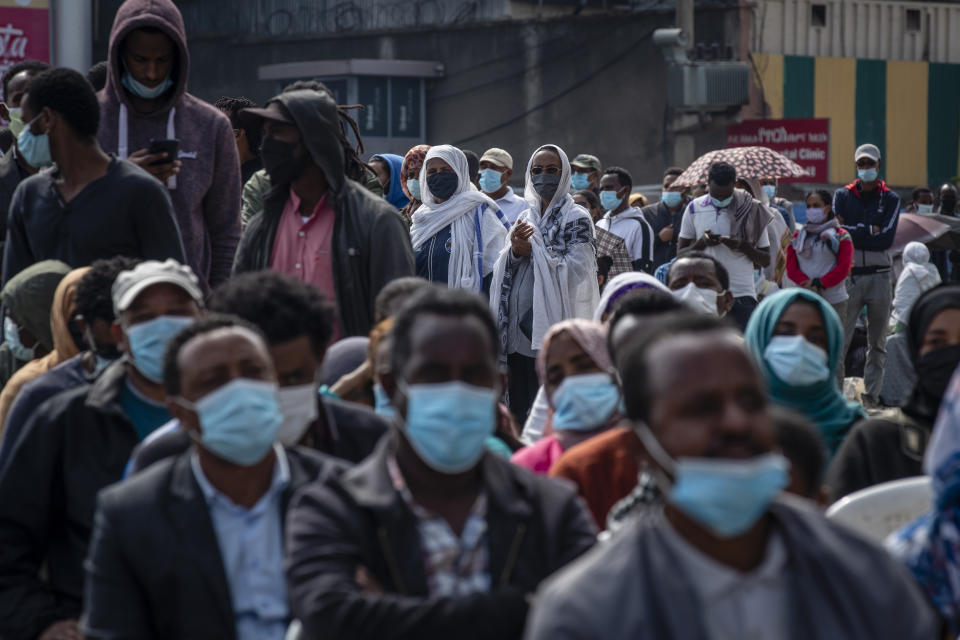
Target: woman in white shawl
[458, 232]
[545, 274]
[918, 275]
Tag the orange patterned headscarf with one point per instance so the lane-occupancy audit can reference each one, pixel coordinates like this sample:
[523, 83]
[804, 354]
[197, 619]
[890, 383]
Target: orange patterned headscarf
[413, 161]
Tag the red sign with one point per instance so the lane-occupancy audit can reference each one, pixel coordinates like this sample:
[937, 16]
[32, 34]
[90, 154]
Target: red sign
[24, 31]
[806, 141]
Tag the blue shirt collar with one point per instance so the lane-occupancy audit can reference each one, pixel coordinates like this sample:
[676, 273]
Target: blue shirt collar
[279, 482]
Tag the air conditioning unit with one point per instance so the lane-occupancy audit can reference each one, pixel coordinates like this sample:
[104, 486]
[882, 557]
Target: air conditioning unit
[708, 86]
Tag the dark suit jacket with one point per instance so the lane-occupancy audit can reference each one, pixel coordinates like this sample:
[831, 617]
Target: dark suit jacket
[154, 567]
[536, 525]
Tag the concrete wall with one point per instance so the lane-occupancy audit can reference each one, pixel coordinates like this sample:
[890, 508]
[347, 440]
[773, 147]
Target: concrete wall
[592, 84]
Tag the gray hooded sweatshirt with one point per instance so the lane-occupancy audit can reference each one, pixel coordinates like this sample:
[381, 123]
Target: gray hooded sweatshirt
[206, 199]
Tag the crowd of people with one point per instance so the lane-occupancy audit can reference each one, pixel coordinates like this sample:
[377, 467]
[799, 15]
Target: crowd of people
[258, 383]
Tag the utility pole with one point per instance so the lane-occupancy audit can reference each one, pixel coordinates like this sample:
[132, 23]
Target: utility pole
[685, 19]
[683, 125]
[72, 33]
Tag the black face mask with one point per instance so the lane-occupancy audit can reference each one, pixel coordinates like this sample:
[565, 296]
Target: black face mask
[935, 369]
[281, 160]
[546, 184]
[443, 184]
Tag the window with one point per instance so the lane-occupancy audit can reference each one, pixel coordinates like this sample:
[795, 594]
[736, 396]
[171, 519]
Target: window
[913, 19]
[818, 15]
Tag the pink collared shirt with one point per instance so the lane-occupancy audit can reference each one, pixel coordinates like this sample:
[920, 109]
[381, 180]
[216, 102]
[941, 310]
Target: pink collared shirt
[302, 247]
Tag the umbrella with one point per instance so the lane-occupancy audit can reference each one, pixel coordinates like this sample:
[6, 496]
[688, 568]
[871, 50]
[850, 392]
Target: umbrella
[935, 231]
[751, 162]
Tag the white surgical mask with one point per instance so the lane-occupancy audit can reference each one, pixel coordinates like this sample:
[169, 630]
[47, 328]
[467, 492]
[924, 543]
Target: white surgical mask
[697, 298]
[298, 405]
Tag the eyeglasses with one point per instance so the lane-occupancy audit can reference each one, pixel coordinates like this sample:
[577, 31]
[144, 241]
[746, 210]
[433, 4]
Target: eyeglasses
[551, 170]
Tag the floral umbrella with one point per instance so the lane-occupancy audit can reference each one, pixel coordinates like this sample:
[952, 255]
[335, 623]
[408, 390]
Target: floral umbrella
[751, 162]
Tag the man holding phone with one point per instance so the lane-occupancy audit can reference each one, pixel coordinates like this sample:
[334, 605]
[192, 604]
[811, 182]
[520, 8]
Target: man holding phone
[149, 118]
[729, 225]
[90, 206]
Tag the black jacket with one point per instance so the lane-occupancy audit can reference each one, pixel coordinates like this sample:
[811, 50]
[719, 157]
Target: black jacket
[536, 526]
[10, 177]
[344, 430]
[154, 569]
[74, 445]
[370, 245]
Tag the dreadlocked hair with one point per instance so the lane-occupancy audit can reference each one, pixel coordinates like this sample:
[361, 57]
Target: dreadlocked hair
[355, 168]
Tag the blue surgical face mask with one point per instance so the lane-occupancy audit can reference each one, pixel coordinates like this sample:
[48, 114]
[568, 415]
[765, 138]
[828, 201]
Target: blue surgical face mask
[580, 181]
[490, 180]
[148, 343]
[239, 421]
[609, 200]
[770, 190]
[721, 204]
[448, 423]
[381, 402]
[35, 149]
[584, 402]
[924, 208]
[142, 90]
[795, 361]
[671, 198]
[413, 186]
[11, 334]
[725, 495]
[867, 175]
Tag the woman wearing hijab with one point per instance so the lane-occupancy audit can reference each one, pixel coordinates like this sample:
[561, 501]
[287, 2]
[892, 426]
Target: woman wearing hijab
[797, 339]
[62, 310]
[579, 380]
[918, 275]
[892, 446]
[410, 180]
[929, 546]
[458, 231]
[389, 170]
[545, 274]
[821, 254]
[620, 286]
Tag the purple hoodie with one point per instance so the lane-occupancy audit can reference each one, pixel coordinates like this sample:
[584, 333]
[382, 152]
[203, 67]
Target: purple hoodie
[206, 199]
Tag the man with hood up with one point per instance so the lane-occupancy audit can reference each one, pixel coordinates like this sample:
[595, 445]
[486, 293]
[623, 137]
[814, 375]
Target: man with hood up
[146, 99]
[27, 298]
[318, 225]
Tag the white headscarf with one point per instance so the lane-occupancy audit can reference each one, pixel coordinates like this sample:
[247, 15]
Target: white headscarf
[432, 217]
[565, 275]
[918, 275]
[621, 285]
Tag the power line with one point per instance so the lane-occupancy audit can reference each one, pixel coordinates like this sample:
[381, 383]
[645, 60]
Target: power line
[568, 90]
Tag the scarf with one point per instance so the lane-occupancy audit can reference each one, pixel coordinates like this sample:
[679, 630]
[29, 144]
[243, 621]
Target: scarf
[477, 231]
[750, 217]
[563, 257]
[930, 546]
[622, 285]
[812, 231]
[922, 405]
[395, 193]
[590, 335]
[821, 402]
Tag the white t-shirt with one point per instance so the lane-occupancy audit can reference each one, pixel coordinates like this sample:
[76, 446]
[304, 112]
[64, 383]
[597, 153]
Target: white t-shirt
[636, 232]
[701, 216]
[512, 205]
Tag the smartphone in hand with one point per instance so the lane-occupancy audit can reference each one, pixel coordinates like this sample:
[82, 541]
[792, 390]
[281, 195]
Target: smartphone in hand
[168, 146]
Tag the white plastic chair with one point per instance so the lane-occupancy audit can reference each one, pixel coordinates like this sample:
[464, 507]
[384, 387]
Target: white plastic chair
[878, 511]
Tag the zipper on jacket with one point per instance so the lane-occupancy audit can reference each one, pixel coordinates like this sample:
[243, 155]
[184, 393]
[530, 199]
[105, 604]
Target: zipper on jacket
[513, 554]
[391, 561]
[433, 243]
